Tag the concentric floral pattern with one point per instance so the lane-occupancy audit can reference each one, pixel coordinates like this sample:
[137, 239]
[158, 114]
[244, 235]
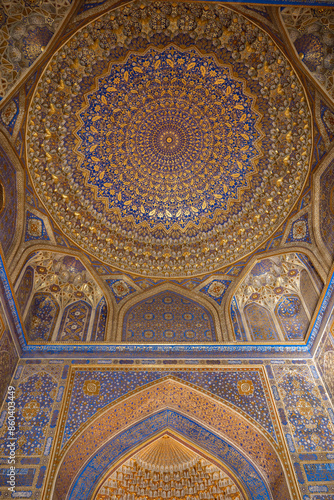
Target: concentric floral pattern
[148, 150]
[171, 134]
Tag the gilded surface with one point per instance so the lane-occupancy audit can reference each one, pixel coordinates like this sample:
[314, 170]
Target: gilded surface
[233, 458]
[148, 150]
[170, 394]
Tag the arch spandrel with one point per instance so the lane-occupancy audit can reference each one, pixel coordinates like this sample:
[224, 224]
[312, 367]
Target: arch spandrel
[262, 451]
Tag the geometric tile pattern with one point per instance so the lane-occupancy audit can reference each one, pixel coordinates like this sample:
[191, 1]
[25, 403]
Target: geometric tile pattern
[35, 228]
[311, 426]
[300, 231]
[168, 317]
[8, 201]
[94, 390]
[120, 289]
[216, 289]
[34, 400]
[141, 209]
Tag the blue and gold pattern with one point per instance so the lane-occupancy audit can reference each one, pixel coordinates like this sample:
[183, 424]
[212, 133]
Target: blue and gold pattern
[75, 322]
[300, 231]
[182, 167]
[35, 398]
[327, 208]
[311, 426]
[8, 214]
[310, 49]
[194, 404]
[216, 289]
[25, 288]
[125, 441]
[35, 228]
[120, 289]
[113, 384]
[42, 317]
[276, 299]
[168, 317]
[100, 321]
[184, 116]
[292, 317]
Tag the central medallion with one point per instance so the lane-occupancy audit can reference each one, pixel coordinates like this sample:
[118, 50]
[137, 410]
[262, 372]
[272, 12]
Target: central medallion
[165, 136]
[179, 124]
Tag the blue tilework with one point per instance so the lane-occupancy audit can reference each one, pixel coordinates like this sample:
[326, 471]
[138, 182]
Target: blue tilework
[34, 401]
[327, 117]
[114, 384]
[23, 477]
[309, 419]
[216, 289]
[292, 317]
[175, 351]
[35, 228]
[319, 472]
[168, 317]
[41, 475]
[120, 289]
[42, 317]
[300, 231]
[11, 111]
[9, 213]
[125, 441]
[326, 208]
[290, 443]
[100, 321]
[299, 473]
[321, 497]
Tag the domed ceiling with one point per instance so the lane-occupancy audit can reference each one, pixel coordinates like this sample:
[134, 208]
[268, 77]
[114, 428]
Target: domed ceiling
[169, 139]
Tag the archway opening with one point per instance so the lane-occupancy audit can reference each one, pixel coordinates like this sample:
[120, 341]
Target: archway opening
[168, 469]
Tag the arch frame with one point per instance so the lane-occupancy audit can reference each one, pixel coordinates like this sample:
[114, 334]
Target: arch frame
[169, 287]
[257, 257]
[167, 413]
[316, 216]
[94, 425]
[181, 439]
[22, 262]
[20, 202]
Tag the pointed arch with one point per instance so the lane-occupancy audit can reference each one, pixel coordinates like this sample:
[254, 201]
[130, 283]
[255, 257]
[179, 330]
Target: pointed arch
[245, 290]
[25, 289]
[216, 419]
[100, 322]
[75, 322]
[260, 323]
[26, 259]
[12, 214]
[200, 301]
[207, 442]
[292, 317]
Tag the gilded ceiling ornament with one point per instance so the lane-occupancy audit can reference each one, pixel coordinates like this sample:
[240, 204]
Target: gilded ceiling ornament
[167, 469]
[169, 140]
